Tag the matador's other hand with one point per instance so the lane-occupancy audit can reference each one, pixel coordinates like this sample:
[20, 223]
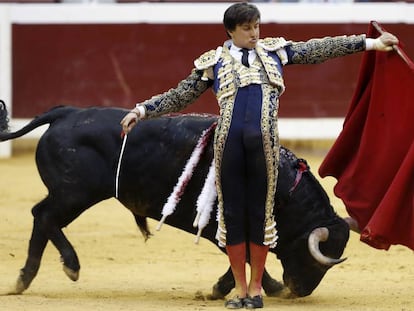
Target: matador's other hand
[129, 121]
[385, 42]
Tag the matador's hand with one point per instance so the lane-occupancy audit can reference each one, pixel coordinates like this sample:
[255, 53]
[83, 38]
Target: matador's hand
[385, 42]
[130, 120]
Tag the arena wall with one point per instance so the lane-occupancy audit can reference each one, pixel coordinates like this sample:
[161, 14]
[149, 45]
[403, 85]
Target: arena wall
[119, 54]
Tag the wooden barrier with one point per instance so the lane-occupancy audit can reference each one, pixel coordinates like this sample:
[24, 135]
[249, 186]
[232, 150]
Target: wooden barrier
[118, 54]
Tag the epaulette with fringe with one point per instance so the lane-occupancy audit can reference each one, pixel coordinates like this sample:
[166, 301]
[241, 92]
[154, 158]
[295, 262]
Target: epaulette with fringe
[273, 44]
[208, 59]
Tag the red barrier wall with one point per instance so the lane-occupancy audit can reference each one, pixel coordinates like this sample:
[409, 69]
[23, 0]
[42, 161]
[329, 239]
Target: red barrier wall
[120, 64]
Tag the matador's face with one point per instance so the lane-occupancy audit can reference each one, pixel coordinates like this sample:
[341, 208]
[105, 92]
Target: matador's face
[246, 35]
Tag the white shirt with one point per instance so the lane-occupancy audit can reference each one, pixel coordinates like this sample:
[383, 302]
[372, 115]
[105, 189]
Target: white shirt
[237, 54]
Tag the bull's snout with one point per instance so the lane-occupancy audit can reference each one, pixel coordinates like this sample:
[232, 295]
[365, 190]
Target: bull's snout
[297, 289]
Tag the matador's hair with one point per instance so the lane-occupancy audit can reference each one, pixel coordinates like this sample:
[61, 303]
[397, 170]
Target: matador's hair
[240, 13]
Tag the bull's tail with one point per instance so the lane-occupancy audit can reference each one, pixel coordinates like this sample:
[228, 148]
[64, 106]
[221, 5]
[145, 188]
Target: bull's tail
[4, 119]
[46, 118]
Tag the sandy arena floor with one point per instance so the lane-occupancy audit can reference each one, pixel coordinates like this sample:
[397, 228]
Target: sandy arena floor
[119, 271]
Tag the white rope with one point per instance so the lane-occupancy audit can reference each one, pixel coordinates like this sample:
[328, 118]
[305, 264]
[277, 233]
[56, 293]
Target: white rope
[119, 166]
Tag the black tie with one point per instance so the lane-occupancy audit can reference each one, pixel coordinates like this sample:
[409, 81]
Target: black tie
[245, 57]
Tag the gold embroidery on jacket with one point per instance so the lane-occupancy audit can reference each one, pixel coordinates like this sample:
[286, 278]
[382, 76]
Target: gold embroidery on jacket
[319, 50]
[272, 43]
[206, 60]
[270, 134]
[270, 65]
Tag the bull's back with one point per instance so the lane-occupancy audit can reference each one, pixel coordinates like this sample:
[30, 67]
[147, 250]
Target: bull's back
[79, 149]
[155, 156]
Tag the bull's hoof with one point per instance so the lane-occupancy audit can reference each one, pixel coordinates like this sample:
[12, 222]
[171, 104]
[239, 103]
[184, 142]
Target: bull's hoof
[72, 274]
[199, 296]
[19, 288]
[216, 294]
[274, 288]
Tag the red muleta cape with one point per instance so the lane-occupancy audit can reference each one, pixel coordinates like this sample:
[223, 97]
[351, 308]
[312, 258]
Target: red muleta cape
[373, 157]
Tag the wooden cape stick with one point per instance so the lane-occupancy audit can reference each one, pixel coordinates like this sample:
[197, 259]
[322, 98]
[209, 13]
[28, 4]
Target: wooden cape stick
[395, 47]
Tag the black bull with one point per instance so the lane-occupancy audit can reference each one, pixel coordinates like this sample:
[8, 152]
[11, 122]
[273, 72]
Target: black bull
[77, 158]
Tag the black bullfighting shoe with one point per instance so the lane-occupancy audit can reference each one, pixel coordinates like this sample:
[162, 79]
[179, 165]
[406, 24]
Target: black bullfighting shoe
[255, 302]
[235, 303]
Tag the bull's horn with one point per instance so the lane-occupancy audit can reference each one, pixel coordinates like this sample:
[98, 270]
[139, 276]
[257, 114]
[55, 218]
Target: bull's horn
[316, 236]
[353, 224]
